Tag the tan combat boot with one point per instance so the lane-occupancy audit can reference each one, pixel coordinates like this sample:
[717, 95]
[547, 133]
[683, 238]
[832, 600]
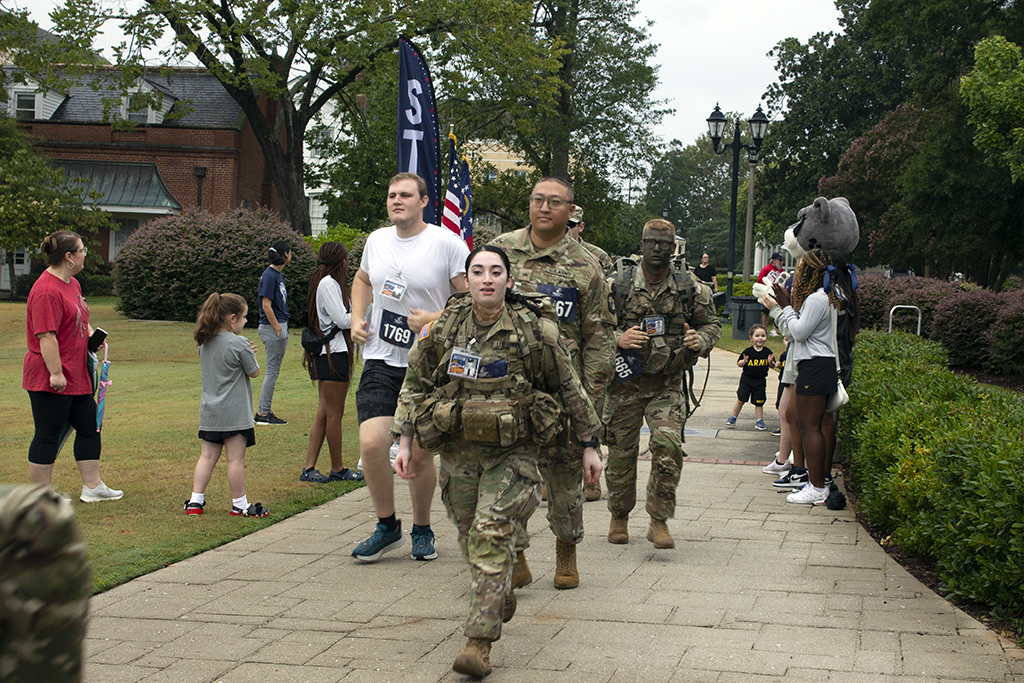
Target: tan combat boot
[618, 530]
[566, 574]
[592, 492]
[475, 660]
[521, 575]
[508, 610]
[658, 534]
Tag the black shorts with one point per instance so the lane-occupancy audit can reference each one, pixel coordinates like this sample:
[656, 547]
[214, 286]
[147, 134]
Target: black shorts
[219, 437]
[379, 386]
[752, 389]
[817, 376]
[778, 399]
[321, 369]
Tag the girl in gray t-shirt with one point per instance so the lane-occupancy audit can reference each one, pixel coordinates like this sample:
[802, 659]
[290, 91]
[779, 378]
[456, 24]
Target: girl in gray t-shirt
[228, 360]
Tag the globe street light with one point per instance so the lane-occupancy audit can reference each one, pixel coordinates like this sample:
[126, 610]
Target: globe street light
[758, 128]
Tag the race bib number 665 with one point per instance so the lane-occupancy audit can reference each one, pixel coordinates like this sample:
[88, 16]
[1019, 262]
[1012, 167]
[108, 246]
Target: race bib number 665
[394, 329]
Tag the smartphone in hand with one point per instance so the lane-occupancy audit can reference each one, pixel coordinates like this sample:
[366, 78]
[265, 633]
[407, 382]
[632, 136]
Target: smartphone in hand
[99, 335]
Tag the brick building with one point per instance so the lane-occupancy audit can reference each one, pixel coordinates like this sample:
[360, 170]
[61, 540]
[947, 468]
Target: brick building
[191, 146]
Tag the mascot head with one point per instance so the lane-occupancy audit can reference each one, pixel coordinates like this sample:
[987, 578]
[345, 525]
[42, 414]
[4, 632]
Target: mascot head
[828, 224]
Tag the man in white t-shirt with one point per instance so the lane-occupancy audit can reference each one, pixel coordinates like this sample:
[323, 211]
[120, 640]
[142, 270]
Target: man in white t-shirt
[406, 275]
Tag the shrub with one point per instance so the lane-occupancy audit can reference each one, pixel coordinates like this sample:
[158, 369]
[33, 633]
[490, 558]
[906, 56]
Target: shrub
[873, 291]
[935, 459]
[877, 295]
[1005, 337]
[168, 267]
[23, 285]
[336, 233]
[961, 324]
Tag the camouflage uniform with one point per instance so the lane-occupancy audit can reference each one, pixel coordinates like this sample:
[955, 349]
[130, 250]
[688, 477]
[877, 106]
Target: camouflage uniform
[44, 587]
[655, 392]
[586, 325]
[601, 255]
[490, 490]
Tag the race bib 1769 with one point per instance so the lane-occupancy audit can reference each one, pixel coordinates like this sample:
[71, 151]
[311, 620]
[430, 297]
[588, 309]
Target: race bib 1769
[394, 329]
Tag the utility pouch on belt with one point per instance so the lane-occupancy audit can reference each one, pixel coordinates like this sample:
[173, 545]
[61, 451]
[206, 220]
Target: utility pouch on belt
[682, 359]
[494, 423]
[545, 416]
[658, 357]
[427, 433]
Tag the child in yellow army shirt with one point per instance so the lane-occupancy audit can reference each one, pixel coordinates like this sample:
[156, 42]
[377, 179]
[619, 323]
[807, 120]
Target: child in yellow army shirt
[755, 361]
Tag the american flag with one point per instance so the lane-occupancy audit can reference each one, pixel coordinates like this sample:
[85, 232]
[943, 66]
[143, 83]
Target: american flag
[457, 209]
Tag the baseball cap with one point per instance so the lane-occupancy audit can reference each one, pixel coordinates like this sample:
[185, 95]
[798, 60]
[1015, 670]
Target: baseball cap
[776, 256]
[576, 217]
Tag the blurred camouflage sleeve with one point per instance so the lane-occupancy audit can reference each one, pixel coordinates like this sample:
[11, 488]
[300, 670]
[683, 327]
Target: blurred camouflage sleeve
[575, 401]
[44, 587]
[705, 319]
[598, 332]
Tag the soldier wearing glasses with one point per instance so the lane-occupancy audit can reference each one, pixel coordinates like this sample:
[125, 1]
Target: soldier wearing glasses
[666, 319]
[545, 258]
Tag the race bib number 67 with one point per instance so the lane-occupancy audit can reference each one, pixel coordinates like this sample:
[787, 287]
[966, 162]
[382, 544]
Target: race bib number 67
[394, 329]
[566, 300]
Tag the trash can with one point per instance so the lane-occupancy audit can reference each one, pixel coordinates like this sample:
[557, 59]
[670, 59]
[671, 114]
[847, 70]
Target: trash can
[746, 310]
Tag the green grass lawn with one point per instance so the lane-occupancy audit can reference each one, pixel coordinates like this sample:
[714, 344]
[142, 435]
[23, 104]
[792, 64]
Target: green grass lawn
[150, 446]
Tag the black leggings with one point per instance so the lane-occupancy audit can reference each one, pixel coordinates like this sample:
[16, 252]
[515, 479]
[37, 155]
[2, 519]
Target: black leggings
[51, 412]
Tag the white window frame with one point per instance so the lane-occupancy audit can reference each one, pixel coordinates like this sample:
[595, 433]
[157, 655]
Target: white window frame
[16, 110]
[125, 227]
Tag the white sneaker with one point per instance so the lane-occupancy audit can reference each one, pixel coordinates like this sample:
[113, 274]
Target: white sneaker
[809, 495]
[101, 492]
[774, 467]
[773, 333]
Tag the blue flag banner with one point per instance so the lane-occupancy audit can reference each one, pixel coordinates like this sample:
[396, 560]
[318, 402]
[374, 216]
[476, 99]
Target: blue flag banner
[467, 205]
[418, 149]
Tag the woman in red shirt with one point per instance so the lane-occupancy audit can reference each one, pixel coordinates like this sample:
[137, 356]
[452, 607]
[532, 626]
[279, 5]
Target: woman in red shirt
[56, 374]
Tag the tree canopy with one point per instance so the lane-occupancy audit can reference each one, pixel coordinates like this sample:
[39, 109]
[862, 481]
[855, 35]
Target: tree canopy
[994, 93]
[874, 114]
[298, 55]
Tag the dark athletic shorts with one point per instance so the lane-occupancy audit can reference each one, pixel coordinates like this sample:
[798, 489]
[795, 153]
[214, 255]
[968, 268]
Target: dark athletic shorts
[379, 386]
[752, 390]
[321, 370]
[778, 399]
[219, 437]
[817, 376]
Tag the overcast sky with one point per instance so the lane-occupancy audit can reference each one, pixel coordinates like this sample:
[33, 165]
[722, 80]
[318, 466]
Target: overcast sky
[717, 52]
[711, 51]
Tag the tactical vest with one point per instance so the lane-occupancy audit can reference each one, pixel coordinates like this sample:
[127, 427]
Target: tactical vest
[633, 308]
[493, 411]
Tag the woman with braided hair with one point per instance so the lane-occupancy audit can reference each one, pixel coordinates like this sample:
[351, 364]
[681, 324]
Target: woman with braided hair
[808, 313]
[488, 384]
[329, 307]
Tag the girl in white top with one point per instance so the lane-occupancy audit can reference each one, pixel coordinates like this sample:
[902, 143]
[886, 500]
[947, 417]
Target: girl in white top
[808, 315]
[329, 308]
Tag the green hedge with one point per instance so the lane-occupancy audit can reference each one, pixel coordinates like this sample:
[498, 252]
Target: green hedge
[936, 460]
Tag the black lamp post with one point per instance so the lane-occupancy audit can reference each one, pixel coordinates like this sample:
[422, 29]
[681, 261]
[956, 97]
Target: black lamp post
[716, 126]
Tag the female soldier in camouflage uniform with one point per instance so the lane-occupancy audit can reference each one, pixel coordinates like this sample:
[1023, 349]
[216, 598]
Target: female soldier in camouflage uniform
[486, 385]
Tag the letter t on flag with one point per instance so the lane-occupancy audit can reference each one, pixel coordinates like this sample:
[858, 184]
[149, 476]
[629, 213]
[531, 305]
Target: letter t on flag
[418, 148]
